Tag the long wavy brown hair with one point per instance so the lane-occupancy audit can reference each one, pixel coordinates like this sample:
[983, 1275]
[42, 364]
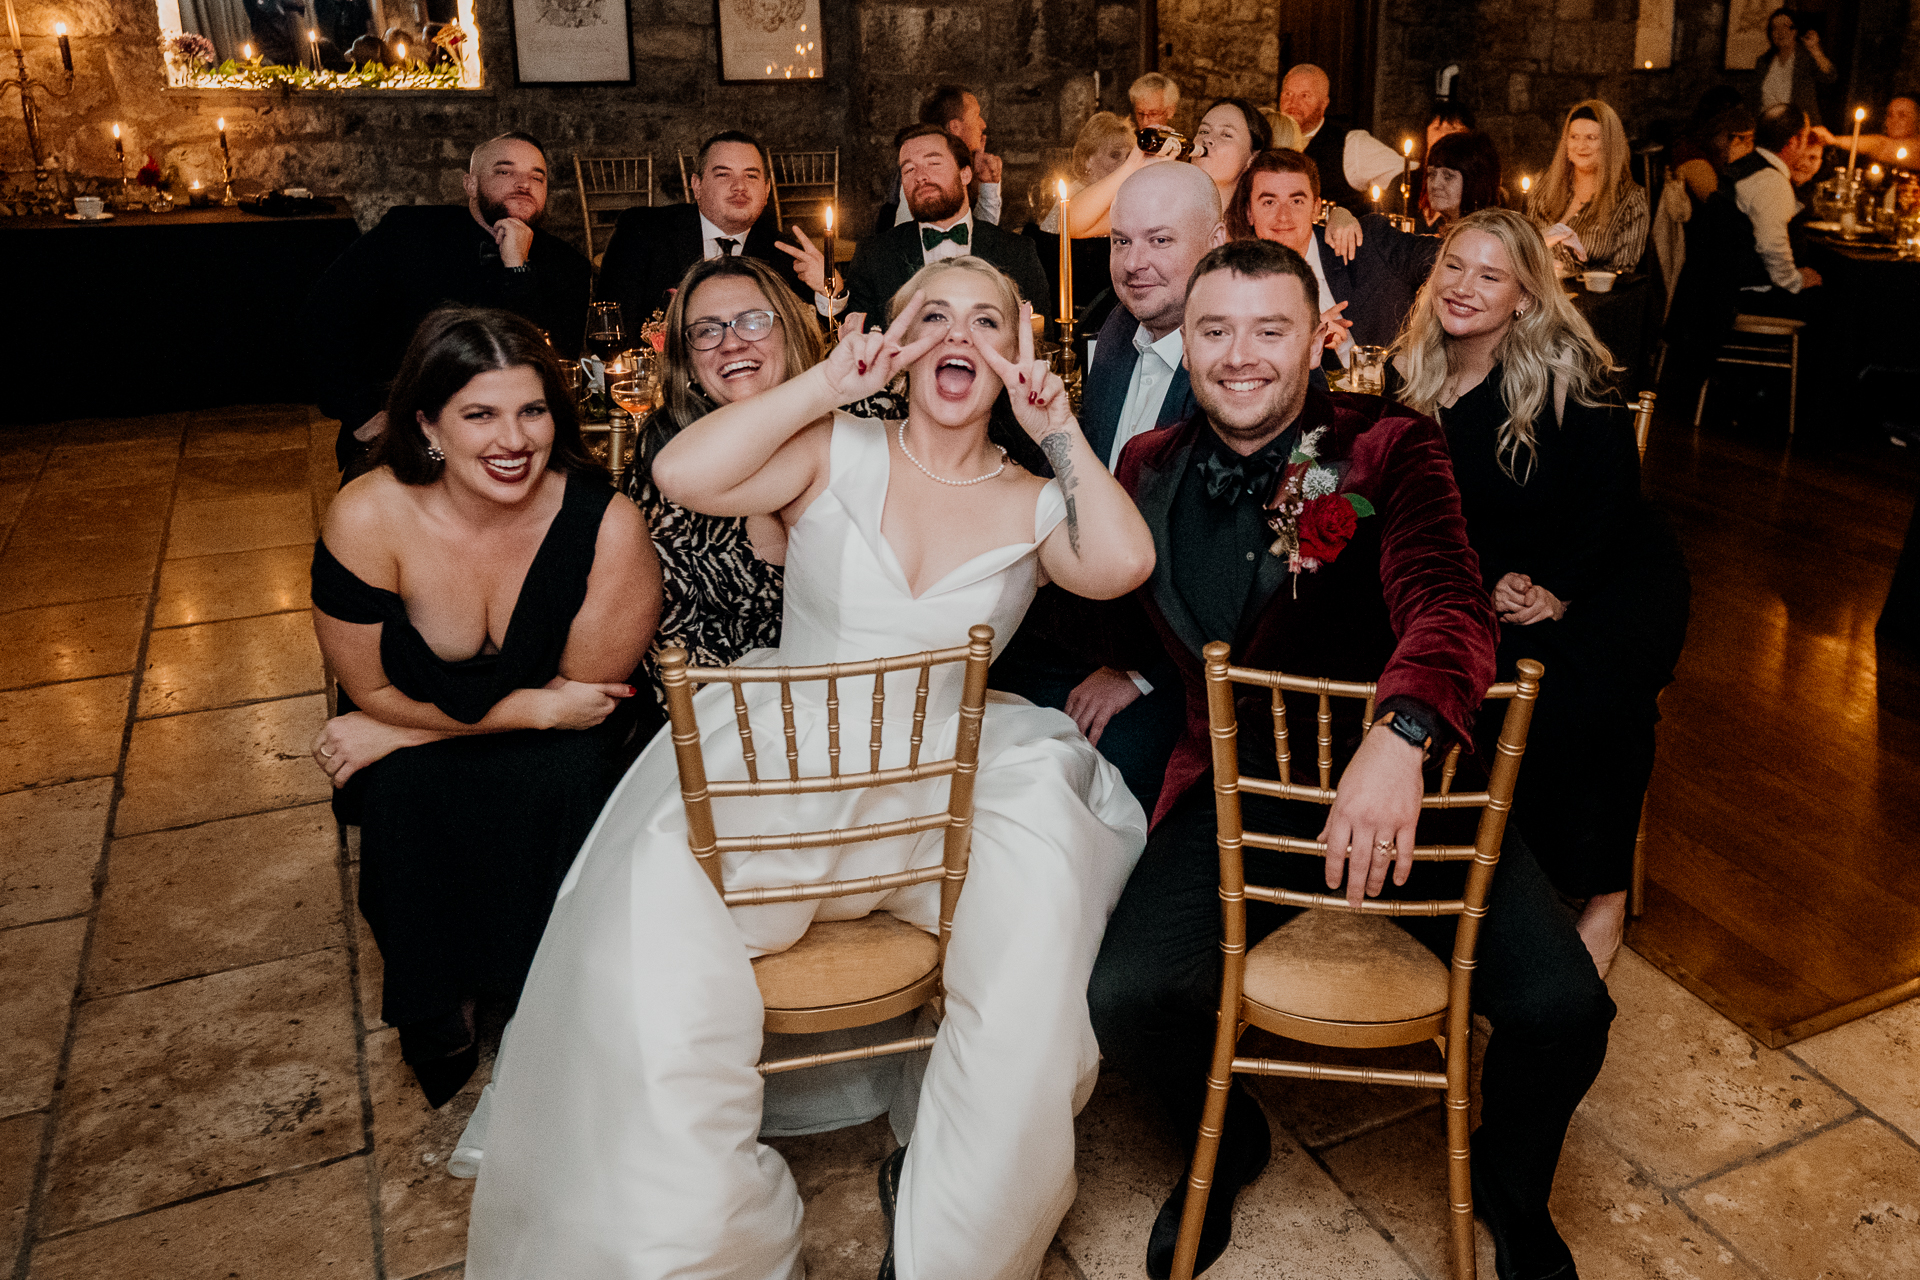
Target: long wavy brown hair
[1555, 192]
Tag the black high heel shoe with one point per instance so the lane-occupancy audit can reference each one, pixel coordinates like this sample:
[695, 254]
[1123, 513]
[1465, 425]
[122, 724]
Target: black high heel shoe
[441, 1078]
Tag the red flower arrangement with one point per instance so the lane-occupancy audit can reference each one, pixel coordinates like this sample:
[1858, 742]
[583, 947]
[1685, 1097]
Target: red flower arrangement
[1326, 525]
[1311, 519]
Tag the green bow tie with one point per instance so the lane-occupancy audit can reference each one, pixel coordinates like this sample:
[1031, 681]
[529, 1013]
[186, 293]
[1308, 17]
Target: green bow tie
[930, 237]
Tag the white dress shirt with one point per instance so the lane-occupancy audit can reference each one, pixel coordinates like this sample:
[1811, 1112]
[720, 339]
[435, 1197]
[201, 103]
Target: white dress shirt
[1778, 86]
[1327, 300]
[1147, 388]
[1766, 197]
[987, 206]
[1366, 160]
[710, 237]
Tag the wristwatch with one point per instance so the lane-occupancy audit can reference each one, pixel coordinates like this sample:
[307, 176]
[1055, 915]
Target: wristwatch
[1409, 725]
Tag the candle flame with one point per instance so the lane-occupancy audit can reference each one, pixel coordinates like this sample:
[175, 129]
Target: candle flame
[1526, 184]
[116, 131]
[1061, 185]
[829, 219]
[246, 51]
[221, 124]
[195, 185]
[1649, 64]
[60, 28]
[400, 48]
[1874, 170]
[1406, 146]
[313, 34]
[1859, 113]
[1376, 191]
[1901, 154]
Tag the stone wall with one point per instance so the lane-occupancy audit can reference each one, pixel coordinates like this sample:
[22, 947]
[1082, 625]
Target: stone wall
[1031, 62]
[1220, 49]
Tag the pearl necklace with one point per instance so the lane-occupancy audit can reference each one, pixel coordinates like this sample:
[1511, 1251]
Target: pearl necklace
[958, 484]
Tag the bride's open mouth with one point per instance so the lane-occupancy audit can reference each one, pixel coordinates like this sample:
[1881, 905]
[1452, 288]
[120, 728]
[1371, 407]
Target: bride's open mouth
[953, 378]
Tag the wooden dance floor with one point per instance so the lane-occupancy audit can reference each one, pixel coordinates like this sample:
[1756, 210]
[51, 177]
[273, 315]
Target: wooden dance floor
[1782, 886]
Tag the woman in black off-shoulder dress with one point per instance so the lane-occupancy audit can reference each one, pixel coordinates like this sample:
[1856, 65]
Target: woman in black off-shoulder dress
[483, 597]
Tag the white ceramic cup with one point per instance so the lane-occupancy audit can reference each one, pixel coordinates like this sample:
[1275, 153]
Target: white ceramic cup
[1599, 281]
[89, 206]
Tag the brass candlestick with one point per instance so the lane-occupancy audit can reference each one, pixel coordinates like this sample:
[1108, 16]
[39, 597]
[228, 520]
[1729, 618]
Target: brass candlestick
[46, 196]
[1069, 370]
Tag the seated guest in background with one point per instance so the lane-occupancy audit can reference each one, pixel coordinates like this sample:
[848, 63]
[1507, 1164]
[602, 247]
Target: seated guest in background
[488, 252]
[1104, 143]
[1462, 177]
[1898, 146]
[1708, 146]
[1350, 160]
[1165, 219]
[1363, 301]
[957, 110]
[733, 329]
[1793, 68]
[1592, 211]
[1231, 134]
[1448, 116]
[1402, 604]
[653, 247]
[935, 171]
[1585, 576]
[474, 757]
[1748, 215]
[1154, 98]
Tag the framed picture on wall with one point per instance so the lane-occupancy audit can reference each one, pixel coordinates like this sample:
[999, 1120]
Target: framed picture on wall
[763, 40]
[572, 42]
[1747, 32]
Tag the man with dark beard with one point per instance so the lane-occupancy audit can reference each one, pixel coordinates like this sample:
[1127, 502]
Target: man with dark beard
[935, 170]
[486, 253]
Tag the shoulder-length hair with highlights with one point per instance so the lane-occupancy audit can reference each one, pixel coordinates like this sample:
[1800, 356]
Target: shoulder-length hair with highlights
[1474, 157]
[800, 341]
[1550, 344]
[451, 348]
[1616, 176]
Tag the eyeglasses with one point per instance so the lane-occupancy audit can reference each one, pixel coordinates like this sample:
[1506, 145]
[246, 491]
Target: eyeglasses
[748, 326]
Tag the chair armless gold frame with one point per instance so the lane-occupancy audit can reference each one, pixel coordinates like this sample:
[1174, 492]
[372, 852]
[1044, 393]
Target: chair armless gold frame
[843, 973]
[1376, 987]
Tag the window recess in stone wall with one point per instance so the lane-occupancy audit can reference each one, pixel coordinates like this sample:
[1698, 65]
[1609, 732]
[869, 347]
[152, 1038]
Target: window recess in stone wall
[1653, 36]
[320, 44]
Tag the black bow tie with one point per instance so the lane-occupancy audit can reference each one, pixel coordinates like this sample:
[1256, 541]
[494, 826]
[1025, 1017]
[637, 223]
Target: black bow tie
[930, 237]
[1227, 480]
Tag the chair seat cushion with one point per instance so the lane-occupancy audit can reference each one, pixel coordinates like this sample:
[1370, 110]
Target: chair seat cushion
[1339, 966]
[1778, 326]
[845, 961]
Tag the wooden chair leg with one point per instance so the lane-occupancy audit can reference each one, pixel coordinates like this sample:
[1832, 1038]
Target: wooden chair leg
[1206, 1155]
[1459, 1164]
[1793, 378]
[1637, 887]
[1700, 407]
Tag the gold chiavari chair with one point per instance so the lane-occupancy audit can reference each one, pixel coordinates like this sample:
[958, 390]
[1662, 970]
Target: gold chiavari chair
[1337, 975]
[609, 186]
[1637, 887]
[842, 973]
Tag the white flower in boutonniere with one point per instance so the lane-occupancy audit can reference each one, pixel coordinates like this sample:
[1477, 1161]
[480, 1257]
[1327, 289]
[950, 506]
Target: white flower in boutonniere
[1319, 482]
[1310, 518]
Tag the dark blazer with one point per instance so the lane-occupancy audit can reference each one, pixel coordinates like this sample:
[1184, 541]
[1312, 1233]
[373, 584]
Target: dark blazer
[1807, 77]
[1402, 604]
[363, 310]
[1104, 391]
[1383, 279]
[888, 260]
[652, 248]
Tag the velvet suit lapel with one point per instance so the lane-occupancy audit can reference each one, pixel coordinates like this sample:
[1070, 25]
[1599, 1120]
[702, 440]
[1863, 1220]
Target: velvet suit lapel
[1158, 485]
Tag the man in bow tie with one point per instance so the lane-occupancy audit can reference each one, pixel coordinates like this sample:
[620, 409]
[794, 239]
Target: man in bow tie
[1321, 535]
[935, 169]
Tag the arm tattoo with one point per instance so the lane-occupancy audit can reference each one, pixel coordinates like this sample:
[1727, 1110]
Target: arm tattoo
[1059, 450]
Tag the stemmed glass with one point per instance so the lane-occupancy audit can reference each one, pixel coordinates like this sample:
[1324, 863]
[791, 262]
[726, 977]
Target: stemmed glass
[606, 336]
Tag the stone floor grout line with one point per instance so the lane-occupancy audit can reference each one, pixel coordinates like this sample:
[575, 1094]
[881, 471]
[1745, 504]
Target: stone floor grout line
[43, 1166]
[208, 1194]
[348, 872]
[48, 786]
[243, 617]
[28, 924]
[1386, 1233]
[1865, 1110]
[210, 973]
[230, 706]
[1767, 1153]
[13, 526]
[1385, 1122]
[207, 822]
[49, 684]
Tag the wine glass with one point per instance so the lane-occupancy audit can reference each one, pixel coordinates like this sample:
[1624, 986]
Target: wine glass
[605, 334]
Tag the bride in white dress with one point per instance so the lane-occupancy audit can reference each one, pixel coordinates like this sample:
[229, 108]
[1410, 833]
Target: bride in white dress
[623, 1136]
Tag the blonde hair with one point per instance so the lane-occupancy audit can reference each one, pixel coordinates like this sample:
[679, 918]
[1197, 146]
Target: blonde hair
[800, 340]
[1286, 130]
[1101, 128]
[1154, 82]
[1555, 192]
[1009, 292]
[1549, 343]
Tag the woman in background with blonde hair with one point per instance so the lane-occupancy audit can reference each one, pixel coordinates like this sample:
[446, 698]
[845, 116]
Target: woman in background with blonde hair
[1104, 144]
[1585, 576]
[1589, 207]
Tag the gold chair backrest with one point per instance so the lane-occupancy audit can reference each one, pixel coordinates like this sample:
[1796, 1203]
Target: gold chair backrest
[608, 186]
[698, 792]
[1643, 421]
[805, 183]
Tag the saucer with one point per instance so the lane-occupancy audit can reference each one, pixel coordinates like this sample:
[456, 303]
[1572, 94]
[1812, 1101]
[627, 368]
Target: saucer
[81, 217]
[1823, 226]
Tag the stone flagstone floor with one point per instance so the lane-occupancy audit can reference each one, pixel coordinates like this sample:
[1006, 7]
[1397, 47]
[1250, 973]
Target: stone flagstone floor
[194, 1080]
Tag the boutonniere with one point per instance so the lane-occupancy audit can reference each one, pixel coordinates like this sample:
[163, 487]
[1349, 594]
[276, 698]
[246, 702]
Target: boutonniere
[1311, 519]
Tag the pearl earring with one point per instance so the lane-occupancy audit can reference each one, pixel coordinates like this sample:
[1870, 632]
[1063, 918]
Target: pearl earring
[433, 451]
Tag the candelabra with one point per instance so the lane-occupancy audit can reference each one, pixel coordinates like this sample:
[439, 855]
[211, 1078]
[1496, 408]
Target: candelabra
[1070, 373]
[46, 195]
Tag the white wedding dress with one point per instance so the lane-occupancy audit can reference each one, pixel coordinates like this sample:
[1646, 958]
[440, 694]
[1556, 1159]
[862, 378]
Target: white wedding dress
[623, 1137]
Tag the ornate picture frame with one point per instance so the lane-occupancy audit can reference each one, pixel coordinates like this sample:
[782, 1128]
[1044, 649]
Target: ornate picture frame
[572, 42]
[1746, 33]
[765, 40]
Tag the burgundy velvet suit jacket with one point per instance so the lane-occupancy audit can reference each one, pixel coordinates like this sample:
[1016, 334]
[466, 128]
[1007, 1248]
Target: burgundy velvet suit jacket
[1402, 604]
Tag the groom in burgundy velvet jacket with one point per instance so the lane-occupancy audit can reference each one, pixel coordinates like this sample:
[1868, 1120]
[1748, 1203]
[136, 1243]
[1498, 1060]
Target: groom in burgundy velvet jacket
[1322, 535]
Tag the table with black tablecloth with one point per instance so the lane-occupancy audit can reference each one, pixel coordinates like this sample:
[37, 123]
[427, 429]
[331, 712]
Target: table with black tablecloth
[1869, 296]
[149, 313]
[1624, 318]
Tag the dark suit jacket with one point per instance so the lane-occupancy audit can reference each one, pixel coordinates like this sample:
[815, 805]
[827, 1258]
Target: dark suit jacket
[362, 312]
[653, 247]
[1402, 604]
[1807, 78]
[1104, 393]
[886, 261]
[1383, 279]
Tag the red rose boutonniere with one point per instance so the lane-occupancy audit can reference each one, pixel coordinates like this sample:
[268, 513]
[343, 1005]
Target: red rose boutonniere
[1311, 519]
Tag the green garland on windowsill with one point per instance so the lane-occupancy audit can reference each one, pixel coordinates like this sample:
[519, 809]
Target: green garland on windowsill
[232, 74]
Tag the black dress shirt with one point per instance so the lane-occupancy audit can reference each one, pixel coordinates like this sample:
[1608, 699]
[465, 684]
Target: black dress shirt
[1216, 545]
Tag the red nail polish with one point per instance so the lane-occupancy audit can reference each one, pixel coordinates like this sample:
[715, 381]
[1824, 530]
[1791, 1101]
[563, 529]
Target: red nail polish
[863, 367]
[1023, 379]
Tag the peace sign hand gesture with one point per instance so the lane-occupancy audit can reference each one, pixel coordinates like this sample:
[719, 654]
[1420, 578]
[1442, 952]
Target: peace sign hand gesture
[1039, 397]
[865, 363]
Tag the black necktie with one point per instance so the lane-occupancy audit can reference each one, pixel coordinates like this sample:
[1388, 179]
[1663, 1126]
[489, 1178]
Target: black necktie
[930, 237]
[728, 248]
